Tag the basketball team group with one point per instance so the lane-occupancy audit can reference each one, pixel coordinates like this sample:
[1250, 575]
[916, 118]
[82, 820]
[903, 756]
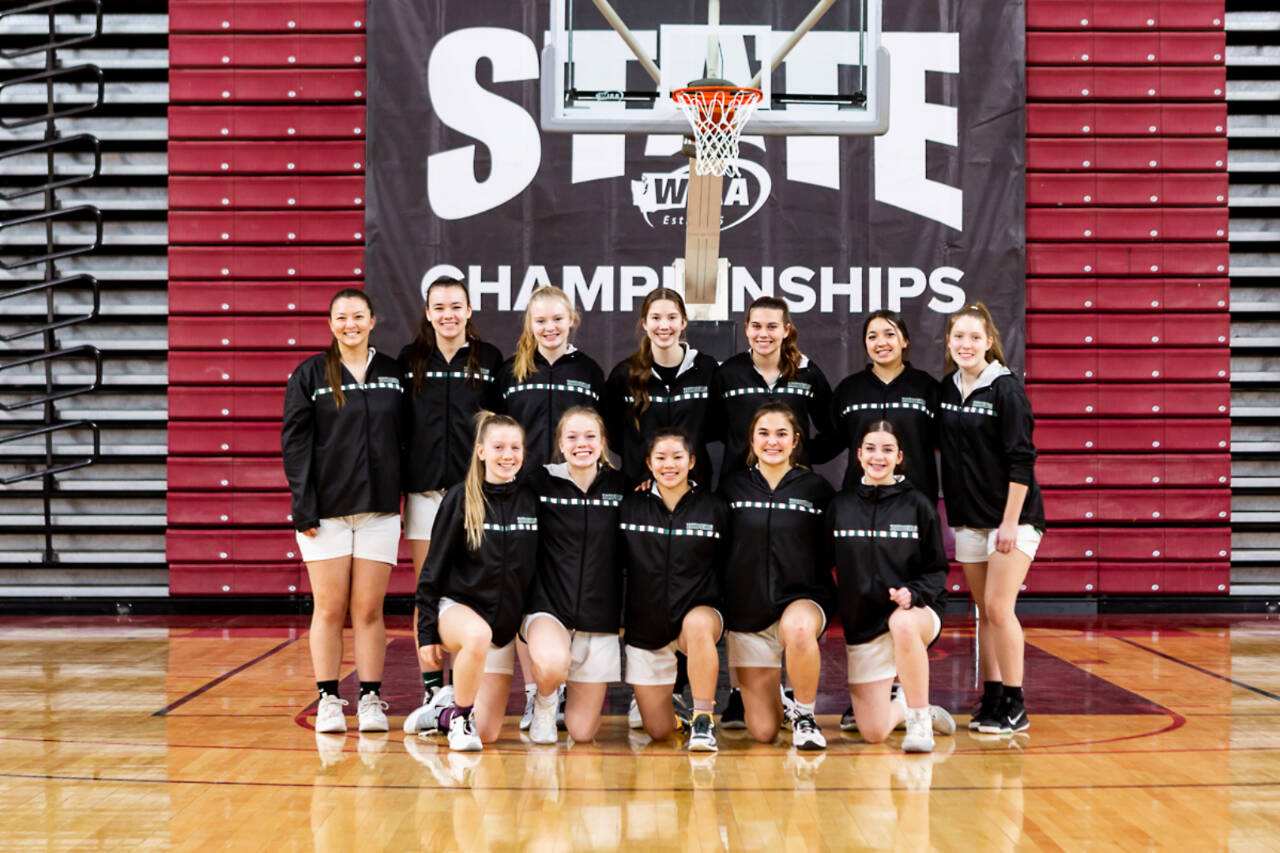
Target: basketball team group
[567, 519]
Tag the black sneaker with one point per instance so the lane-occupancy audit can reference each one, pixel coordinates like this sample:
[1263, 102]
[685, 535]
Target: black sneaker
[1009, 718]
[734, 715]
[848, 723]
[984, 713]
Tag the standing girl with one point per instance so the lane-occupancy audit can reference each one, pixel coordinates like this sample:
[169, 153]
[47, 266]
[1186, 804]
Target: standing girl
[664, 383]
[772, 370]
[473, 586]
[777, 581]
[889, 388]
[547, 374]
[892, 573]
[674, 536]
[993, 502]
[340, 438]
[575, 604]
[451, 376]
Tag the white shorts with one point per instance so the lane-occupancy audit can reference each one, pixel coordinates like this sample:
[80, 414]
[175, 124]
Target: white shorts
[761, 648]
[367, 536]
[594, 658]
[501, 660]
[874, 661]
[420, 510]
[976, 544]
[657, 666]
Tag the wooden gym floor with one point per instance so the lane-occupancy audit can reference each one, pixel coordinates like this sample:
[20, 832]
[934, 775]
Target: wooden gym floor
[194, 733]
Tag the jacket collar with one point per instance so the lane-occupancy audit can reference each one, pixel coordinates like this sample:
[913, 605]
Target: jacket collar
[875, 493]
[685, 365]
[993, 371]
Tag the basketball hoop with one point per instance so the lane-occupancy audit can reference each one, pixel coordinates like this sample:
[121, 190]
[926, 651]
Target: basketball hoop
[718, 114]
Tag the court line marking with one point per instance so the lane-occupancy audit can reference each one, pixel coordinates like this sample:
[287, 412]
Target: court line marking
[1117, 786]
[1189, 665]
[221, 678]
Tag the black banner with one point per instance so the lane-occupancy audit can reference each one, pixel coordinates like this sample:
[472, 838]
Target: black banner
[462, 182]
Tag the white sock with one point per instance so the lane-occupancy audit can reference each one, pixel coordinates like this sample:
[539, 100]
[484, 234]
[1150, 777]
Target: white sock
[805, 708]
[921, 713]
[547, 701]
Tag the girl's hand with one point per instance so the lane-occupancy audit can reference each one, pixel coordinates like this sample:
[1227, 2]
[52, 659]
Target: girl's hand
[1006, 536]
[311, 532]
[900, 596]
[645, 485]
[431, 657]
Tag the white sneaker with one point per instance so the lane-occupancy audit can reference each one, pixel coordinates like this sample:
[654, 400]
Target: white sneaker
[462, 735]
[896, 695]
[329, 716]
[425, 719]
[372, 713]
[634, 720]
[943, 722]
[789, 712]
[805, 733]
[526, 719]
[542, 729]
[919, 736]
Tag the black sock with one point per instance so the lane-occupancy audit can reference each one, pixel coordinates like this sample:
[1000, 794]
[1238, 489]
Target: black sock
[991, 690]
[1013, 694]
[432, 681]
[447, 715]
[374, 687]
[329, 687]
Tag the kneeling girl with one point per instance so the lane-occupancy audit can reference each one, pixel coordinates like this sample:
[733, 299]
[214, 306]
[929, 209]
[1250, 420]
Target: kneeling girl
[472, 589]
[575, 604]
[891, 570]
[674, 536]
[778, 576]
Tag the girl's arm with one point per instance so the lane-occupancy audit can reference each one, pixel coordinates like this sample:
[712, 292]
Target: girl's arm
[1016, 424]
[447, 536]
[297, 435]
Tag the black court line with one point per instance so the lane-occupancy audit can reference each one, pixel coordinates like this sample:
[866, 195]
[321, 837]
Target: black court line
[583, 789]
[221, 678]
[1208, 672]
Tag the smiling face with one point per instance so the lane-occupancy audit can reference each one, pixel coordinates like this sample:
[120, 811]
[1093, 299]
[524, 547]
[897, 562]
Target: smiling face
[879, 455]
[968, 343]
[766, 328]
[885, 344]
[581, 441]
[550, 320]
[663, 323]
[351, 321]
[448, 311]
[501, 449]
[773, 439]
[670, 462]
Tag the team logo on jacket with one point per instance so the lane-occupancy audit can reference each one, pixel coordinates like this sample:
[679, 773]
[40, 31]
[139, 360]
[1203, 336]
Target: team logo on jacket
[523, 519]
[693, 525]
[661, 197]
[905, 528]
[612, 498]
[800, 502]
[981, 404]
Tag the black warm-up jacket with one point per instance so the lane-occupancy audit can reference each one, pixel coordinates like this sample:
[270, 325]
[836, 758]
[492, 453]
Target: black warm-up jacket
[885, 537]
[342, 461]
[492, 580]
[778, 548]
[538, 401]
[910, 403]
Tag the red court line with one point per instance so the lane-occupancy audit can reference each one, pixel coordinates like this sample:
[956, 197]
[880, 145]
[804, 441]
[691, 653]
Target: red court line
[221, 678]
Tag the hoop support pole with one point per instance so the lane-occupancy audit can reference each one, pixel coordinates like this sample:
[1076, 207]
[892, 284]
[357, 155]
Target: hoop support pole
[807, 24]
[632, 42]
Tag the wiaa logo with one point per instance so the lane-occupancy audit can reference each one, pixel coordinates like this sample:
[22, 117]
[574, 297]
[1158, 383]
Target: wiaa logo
[655, 193]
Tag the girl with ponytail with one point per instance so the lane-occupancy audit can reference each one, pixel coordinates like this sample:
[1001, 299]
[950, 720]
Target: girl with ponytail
[340, 406]
[451, 376]
[664, 383]
[472, 589]
[773, 369]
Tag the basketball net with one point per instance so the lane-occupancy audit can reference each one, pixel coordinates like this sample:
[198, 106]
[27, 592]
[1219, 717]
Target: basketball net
[718, 114]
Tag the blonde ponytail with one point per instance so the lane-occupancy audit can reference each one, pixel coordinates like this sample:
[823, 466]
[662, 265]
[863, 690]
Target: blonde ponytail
[473, 499]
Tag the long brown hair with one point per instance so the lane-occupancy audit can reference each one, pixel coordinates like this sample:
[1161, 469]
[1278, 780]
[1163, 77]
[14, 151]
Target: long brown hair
[587, 411]
[893, 318]
[527, 346]
[641, 362]
[979, 311]
[789, 355]
[424, 342]
[333, 355]
[787, 412]
[473, 499]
